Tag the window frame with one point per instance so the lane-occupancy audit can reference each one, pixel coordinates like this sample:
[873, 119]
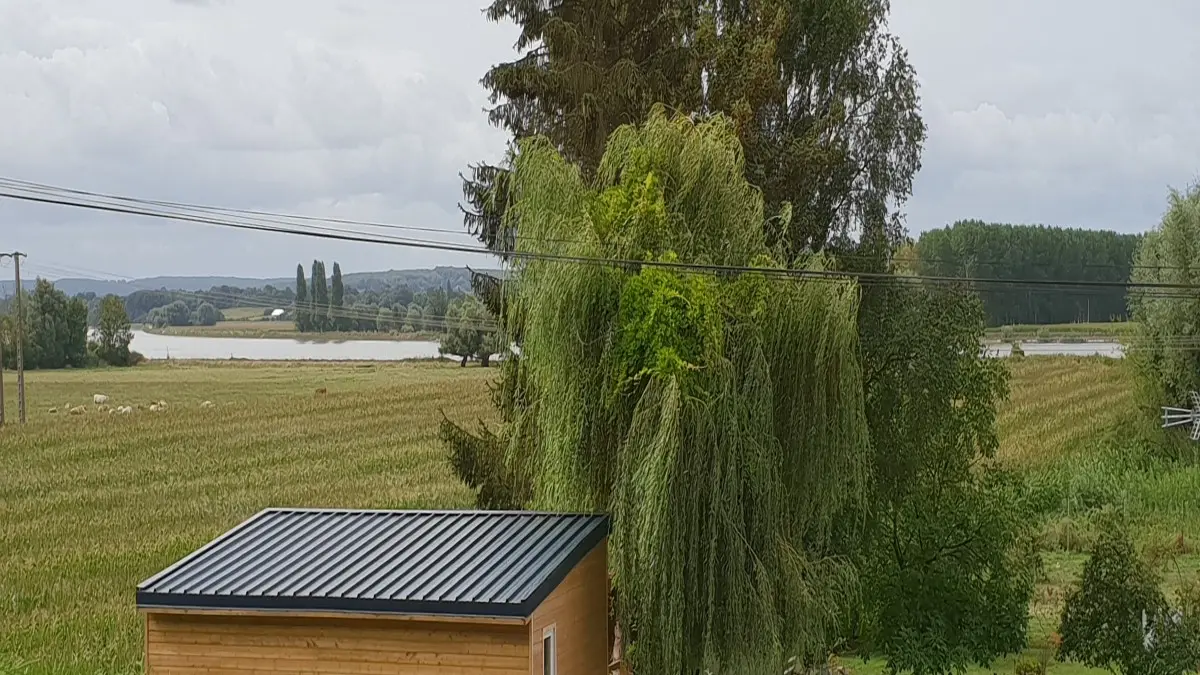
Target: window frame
[550, 637]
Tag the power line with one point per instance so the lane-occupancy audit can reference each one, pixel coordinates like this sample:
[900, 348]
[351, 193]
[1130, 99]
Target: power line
[350, 312]
[359, 237]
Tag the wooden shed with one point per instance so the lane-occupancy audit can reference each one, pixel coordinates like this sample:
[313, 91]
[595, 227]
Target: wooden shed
[341, 591]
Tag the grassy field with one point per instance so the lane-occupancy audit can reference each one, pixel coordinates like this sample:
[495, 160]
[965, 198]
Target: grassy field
[95, 503]
[244, 314]
[1080, 331]
[283, 330]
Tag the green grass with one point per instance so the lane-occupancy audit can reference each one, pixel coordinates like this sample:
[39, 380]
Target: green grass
[243, 314]
[285, 330]
[1082, 330]
[93, 504]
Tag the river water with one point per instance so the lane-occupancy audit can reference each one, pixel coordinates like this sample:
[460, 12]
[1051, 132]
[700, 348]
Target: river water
[275, 349]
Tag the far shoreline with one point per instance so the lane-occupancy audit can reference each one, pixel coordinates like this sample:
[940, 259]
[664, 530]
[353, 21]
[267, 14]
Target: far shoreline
[269, 331]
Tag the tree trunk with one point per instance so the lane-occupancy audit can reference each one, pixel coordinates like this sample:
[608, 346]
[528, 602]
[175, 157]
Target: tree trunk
[485, 360]
[464, 362]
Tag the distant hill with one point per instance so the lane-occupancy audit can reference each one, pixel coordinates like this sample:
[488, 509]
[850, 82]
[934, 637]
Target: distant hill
[459, 279]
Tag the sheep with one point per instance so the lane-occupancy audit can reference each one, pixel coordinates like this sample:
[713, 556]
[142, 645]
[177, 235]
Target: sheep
[154, 407]
[54, 411]
[124, 410]
[99, 399]
[78, 410]
[103, 407]
[322, 390]
[206, 404]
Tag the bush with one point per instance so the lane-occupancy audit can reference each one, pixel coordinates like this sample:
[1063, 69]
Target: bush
[1117, 618]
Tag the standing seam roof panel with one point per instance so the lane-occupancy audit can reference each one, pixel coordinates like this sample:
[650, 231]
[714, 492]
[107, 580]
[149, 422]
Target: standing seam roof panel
[470, 563]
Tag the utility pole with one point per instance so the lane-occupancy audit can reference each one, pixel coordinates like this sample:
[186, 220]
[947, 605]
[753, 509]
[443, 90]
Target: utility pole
[20, 340]
[1, 380]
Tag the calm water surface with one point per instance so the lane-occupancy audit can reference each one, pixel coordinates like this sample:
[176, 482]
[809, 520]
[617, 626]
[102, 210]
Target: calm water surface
[275, 349]
[272, 349]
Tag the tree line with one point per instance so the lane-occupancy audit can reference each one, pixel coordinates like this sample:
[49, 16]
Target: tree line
[972, 248]
[57, 331]
[326, 304]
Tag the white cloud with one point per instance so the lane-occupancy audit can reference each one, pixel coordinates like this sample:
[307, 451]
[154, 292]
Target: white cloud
[1068, 112]
[371, 109]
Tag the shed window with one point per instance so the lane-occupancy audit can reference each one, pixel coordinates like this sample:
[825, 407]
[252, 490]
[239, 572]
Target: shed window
[549, 652]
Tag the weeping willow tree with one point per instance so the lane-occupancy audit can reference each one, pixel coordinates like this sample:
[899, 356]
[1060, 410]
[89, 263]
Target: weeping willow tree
[718, 417]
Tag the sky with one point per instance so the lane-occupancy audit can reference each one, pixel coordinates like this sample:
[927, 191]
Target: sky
[1079, 113]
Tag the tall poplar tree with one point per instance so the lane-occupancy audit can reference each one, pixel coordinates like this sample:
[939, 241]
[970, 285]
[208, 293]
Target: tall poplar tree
[337, 313]
[303, 322]
[320, 297]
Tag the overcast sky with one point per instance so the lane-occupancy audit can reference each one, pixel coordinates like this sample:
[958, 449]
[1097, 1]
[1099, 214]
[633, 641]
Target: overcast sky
[1065, 112]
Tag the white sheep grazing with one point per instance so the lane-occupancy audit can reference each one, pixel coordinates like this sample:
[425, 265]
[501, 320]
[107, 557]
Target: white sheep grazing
[104, 407]
[78, 410]
[125, 409]
[53, 411]
[99, 399]
[154, 407]
[162, 405]
[206, 404]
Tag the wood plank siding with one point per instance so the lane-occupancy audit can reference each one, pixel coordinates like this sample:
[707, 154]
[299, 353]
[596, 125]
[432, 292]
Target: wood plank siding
[578, 611]
[190, 644]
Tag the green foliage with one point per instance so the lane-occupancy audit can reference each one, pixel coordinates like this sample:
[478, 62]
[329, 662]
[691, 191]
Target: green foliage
[413, 318]
[386, 319]
[1102, 618]
[843, 155]
[177, 314]
[113, 334]
[207, 315]
[1163, 348]
[56, 330]
[668, 323]
[319, 302]
[1029, 667]
[725, 435]
[302, 312]
[971, 248]
[337, 316]
[465, 336]
[948, 562]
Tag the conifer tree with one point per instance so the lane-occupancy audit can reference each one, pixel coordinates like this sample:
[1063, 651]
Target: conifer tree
[302, 310]
[337, 313]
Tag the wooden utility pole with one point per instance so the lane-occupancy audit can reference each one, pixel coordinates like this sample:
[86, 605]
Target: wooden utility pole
[20, 338]
[1, 380]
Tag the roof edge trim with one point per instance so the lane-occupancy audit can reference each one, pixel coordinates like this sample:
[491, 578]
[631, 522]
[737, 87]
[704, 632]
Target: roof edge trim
[598, 533]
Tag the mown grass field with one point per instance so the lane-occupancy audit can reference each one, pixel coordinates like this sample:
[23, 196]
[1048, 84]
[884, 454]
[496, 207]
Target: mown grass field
[93, 504]
[1081, 331]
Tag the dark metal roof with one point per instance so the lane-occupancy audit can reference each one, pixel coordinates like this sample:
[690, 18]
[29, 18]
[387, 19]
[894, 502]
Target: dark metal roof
[479, 563]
